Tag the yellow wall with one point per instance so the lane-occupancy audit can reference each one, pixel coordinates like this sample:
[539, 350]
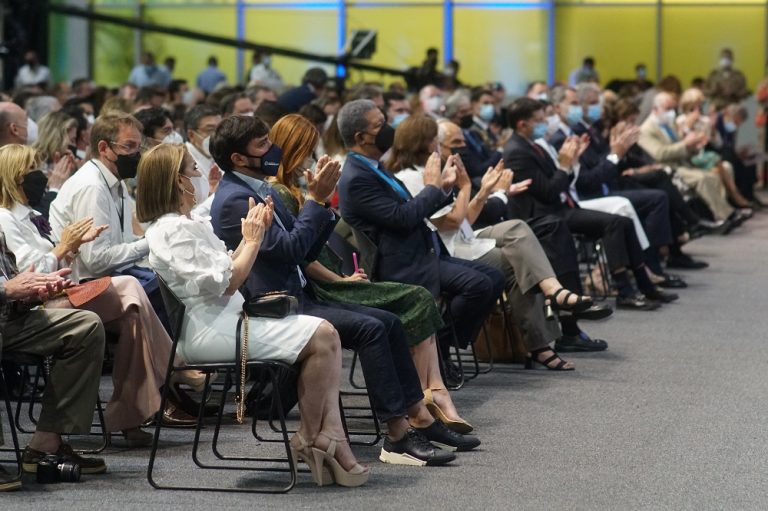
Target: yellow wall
[507, 44]
[687, 54]
[617, 37]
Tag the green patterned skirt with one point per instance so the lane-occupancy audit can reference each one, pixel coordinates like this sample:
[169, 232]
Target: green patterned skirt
[414, 305]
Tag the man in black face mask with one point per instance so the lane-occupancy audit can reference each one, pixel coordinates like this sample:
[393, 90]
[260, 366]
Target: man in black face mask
[97, 191]
[242, 149]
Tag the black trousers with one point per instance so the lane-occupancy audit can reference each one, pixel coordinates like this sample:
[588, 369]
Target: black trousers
[652, 207]
[472, 289]
[617, 232]
[379, 339]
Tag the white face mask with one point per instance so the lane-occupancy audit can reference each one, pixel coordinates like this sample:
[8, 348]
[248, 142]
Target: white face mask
[80, 154]
[434, 104]
[553, 123]
[90, 118]
[247, 114]
[204, 145]
[188, 97]
[173, 138]
[31, 131]
[198, 198]
[725, 62]
[668, 117]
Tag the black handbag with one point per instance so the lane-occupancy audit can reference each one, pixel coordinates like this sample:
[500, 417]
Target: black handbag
[277, 304]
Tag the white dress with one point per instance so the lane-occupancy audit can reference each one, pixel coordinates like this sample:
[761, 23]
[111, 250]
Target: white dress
[197, 267]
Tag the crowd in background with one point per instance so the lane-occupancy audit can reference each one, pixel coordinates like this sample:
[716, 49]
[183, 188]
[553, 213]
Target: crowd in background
[454, 195]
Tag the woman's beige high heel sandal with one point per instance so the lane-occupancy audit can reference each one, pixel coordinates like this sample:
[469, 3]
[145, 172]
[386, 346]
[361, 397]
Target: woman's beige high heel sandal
[356, 476]
[303, 452]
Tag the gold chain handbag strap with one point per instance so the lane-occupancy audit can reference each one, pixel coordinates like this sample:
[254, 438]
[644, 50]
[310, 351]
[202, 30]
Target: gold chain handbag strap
[240, 397]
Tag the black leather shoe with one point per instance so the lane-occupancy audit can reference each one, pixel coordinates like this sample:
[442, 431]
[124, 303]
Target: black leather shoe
[414, 449]
[685, 262]
[448, 440]
[672, 282]
[595, 312]
[658, 295]
[637, 301]
[581, 342]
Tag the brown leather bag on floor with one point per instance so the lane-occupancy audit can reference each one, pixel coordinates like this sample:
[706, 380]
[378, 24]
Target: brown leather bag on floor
[506, 347]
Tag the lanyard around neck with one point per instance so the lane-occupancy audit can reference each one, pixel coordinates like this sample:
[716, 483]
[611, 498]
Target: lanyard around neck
[383, 175]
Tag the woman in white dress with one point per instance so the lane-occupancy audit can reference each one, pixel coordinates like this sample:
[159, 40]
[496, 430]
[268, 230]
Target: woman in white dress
[143, 346]
[195, 264]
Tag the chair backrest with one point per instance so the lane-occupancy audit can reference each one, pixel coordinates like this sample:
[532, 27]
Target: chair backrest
[175, 309]
[369, 252]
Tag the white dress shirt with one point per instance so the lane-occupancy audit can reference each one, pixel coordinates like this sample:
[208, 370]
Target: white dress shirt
[93, 191]
[463, 242]
[25, 241]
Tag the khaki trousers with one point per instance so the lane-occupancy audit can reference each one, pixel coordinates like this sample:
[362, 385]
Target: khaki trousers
[75, 339]
[709, 186]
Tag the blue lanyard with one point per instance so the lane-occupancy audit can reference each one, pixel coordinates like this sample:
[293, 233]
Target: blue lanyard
[383, 175]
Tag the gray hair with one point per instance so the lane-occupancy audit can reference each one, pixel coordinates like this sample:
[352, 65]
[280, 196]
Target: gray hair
[351, 119]
[38, 106]
[558, 93]
[454, 102]
[586, 88]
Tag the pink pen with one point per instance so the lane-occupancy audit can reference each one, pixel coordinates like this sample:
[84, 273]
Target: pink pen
[354, 260]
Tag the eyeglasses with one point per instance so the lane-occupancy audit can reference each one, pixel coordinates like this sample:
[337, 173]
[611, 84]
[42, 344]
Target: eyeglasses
[129, 148]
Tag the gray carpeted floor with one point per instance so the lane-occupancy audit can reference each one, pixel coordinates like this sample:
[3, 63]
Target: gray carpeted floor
[670, 417]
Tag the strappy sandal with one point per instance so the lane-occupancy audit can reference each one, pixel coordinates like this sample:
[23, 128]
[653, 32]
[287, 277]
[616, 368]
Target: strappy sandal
[462, 427]
[580, 305]
[303, 452]
[356, 476]
[533, 358]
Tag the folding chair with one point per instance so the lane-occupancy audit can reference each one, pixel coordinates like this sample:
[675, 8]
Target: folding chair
[176, 310]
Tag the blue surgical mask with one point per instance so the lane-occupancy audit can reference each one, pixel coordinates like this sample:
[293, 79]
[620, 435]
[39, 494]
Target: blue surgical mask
[487, 112]
[396, 120]
[575, 115]
[730, 126]
[539, 130]
[594, 113]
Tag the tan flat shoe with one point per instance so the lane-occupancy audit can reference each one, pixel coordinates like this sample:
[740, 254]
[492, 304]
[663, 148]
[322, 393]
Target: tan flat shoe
[461, 427]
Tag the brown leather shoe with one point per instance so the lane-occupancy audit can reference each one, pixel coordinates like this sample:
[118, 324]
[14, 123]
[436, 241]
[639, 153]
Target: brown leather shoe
[175, 417]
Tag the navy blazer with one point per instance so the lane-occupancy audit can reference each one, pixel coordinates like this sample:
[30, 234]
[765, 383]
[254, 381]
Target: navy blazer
[282, 249]
[405, 245]
[293, 99]
[547, 181]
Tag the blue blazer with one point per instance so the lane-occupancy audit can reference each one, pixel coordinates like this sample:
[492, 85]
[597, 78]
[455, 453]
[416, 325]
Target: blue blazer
[405, 245]
[282, 249]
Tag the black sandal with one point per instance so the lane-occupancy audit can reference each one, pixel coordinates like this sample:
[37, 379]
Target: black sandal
[580, 305]
[533, 357]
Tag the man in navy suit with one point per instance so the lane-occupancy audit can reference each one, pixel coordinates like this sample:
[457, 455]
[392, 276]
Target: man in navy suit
[241, 148]
[312, 84]
[376, 204]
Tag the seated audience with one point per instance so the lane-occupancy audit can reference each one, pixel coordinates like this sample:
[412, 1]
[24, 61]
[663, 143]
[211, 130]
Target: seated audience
[242, 149]
[413, 305]
[208, 284]
[143, 346]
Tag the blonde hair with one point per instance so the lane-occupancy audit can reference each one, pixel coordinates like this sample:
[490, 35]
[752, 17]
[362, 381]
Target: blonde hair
[15, 161]
[157, 192]
[53, 138]
[691, 100]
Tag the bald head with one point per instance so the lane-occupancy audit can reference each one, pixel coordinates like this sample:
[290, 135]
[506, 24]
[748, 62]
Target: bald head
[449, 137]
[13, 124]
